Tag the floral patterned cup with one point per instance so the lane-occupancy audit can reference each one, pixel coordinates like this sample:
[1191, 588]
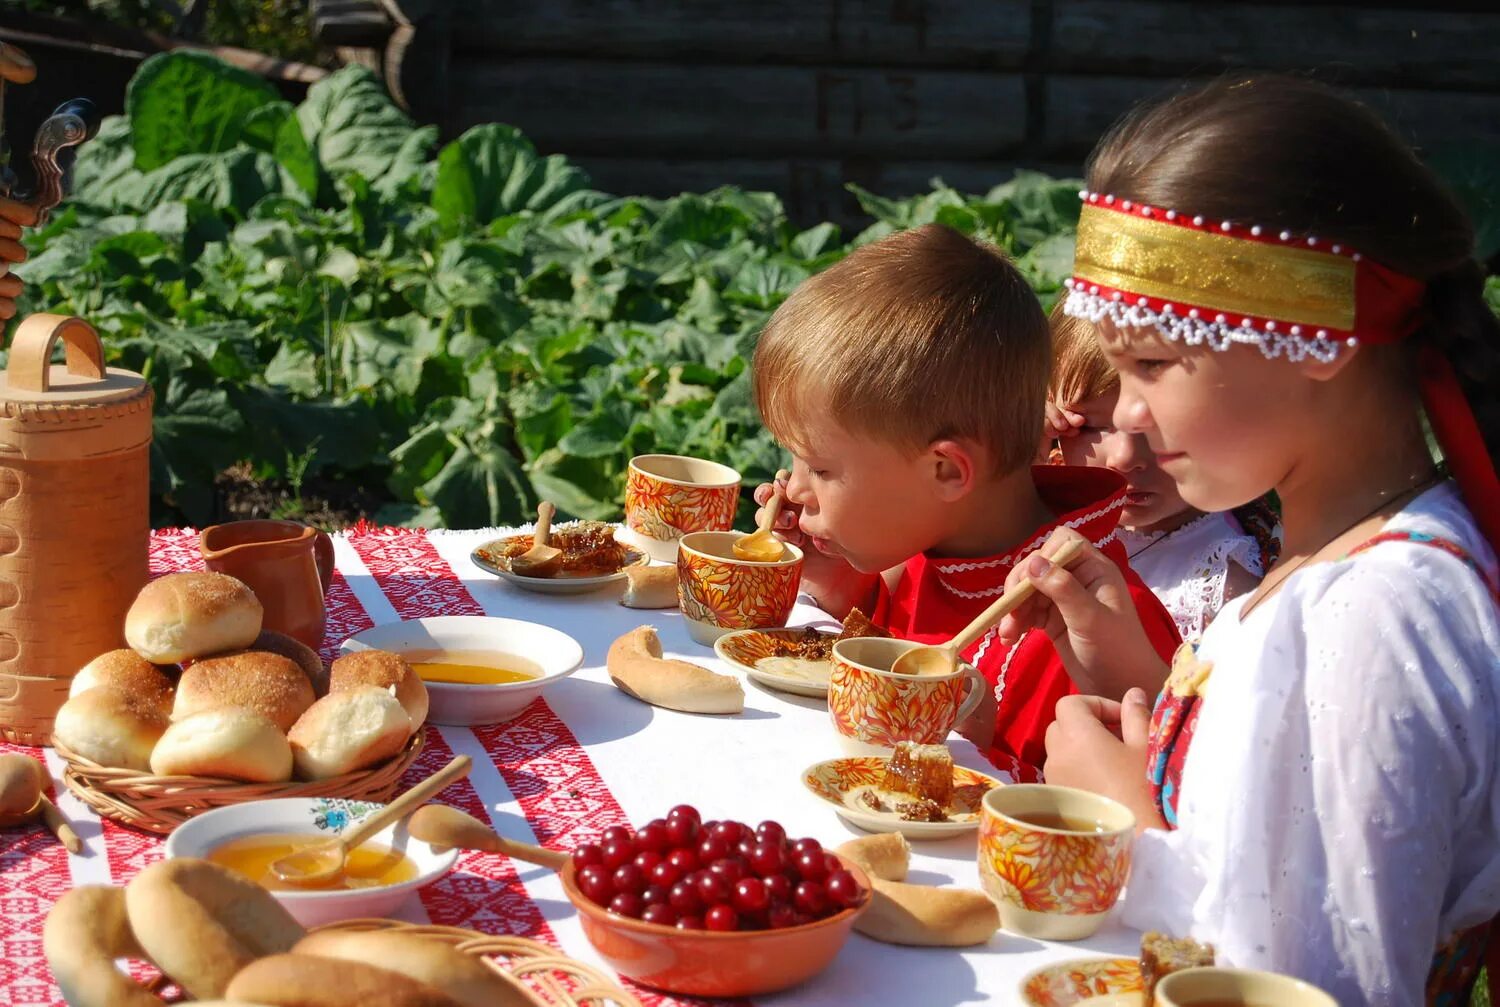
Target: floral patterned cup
[1205, 986]
[1053, 858]
[873, 708]
[719, 594]
[668, 496]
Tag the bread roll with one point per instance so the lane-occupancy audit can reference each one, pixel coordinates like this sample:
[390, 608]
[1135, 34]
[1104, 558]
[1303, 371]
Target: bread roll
[111, 728]
[84, 934]
[186, 615]
[637, 667]
[650, 587]
[925, 916]
[295, 650]
[229, 743]
[460, 976]
[128, 672]
[268, 684]
[383, 670]
[201, 923]
[348, 730]
[305, 981]
[885, 856]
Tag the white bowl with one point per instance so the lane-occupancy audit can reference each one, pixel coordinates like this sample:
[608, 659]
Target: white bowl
[315, 816]
[457, 705]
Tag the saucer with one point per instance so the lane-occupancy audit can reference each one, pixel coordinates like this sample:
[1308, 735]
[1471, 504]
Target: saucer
[1091, 982]
[841, 781]
[562, 584]
[742, 649]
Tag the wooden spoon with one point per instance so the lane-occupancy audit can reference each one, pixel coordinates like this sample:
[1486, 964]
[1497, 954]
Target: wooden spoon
[541, 560]
[761, 546]
[943, 659]
[441, 825]
[319, 863]
[22, 800]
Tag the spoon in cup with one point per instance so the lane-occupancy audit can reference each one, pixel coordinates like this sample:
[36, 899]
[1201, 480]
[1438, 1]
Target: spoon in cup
[761, 545]
[541, 560]
[441, 825]
[943, 658]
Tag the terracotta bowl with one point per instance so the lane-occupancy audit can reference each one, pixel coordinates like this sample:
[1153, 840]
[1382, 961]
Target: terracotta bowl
[711, 964]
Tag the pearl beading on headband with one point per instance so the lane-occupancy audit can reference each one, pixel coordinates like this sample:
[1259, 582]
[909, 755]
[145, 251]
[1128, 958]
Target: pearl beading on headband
[1221, 226]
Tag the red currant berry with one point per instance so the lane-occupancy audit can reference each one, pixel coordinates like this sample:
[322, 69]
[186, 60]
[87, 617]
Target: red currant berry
[689, 922]
[588, 853]
[770, 832]
[779, 887]
[731, 869]
[627, 904]
[754, 921]
[654, 894]
[647, 859]
[767, 859]
[661, 914]
[686, 812]
[616, 834]
[616, 853]
[595, 884]
[745, 847]
[665, 873]
[713, 848]
[684, 859]
[810, 898]
[843, 891]
[684, 897]
[707, 827]
[803, 845]
[781, 916]
[682, 831]
[751, 896]
[629, 878]
[811, 866]
[831, 862]
[730, 832]
[653, 836]
[722, 917]
[712, 889]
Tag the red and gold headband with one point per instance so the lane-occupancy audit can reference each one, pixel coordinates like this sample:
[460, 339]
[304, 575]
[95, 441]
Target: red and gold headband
[1220, 283]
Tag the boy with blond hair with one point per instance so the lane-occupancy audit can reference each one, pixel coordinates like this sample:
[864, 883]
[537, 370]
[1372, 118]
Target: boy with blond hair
[909, 382]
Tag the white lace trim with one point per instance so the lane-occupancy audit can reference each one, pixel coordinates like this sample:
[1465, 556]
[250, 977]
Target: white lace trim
[963, 566]
[998, 589]
[1188, 568]
[1087, 302]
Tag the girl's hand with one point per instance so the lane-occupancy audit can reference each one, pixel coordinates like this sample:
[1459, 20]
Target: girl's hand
[1061, 421]
[1099, 745]
[833, 583]
[13, 217]
[1088, 612]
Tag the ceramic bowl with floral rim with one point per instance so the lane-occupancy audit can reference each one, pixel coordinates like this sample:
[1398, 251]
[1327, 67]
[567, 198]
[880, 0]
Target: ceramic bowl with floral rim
[764, 655]
[1087, 982]
[718, 593]
[845, 784]
[319, 817]
[669, 496]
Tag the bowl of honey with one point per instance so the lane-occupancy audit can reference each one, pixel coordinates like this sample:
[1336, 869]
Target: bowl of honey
[379, 876]
[477, 669]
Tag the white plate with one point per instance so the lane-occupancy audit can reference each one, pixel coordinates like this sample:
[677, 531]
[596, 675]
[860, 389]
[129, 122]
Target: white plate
[557, 585]
[315, 816]
[736, 649]
[458, 705]
[1085, 982]
[836, 781]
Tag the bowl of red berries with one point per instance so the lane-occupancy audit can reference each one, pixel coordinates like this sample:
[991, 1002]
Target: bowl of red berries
[714, 908]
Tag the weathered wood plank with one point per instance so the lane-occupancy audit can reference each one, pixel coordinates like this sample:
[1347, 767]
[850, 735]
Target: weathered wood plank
[1360, 44]
[590, 107]
[1078, 111]
[898, 32]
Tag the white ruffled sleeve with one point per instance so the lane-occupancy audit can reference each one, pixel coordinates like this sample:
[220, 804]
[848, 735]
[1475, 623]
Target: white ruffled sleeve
[1339, 813]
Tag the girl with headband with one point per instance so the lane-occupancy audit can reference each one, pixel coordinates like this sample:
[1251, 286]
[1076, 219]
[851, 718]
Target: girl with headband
[1291, 301]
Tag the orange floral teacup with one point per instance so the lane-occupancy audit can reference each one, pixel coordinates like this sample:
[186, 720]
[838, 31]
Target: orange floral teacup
[1053, 858]
[668, 496]
[1204, 987]
[873, 708]
[719, 594]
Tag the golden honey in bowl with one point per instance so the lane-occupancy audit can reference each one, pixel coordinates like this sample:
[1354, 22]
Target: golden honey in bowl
[369, 866]
[472, 667]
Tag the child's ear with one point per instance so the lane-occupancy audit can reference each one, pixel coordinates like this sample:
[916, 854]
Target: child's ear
[955, 465]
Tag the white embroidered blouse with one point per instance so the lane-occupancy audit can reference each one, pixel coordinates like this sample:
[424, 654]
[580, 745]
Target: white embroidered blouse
[1187, 567]
[1339, 815]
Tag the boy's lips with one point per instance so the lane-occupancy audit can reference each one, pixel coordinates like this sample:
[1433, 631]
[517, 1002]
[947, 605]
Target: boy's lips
[1167, 457]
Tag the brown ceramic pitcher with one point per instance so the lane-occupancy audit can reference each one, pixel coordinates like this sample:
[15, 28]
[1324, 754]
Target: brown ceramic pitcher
[288, 566]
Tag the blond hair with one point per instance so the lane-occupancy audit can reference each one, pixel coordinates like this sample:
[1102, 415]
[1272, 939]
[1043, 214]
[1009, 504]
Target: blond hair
[1079, 369]
[922, 335]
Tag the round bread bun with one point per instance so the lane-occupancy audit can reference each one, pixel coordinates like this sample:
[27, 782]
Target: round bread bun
[125, 671]
[111, 728]
[84, 934]
[308, 981]
[186, 615]
[305, 657]
[201, 923]
[382, 669]
[439, 965]
[348, 730]
[268, 684]
[229, 743]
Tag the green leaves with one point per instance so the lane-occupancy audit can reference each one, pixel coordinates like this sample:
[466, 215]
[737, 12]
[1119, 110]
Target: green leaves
[351, 125]
[493, 171]
[187, 102]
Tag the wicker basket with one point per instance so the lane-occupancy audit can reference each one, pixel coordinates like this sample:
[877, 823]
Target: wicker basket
[161, 803]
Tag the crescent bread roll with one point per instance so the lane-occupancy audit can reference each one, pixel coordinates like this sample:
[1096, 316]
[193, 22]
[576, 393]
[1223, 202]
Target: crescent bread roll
[884, 856]
[926, 916]
[348, 730]
[268, 684]
[384, 670]
[307, 981]
[111, 728]
[125, 671]
[439, 965]
[637, 667]
[230, 743]
[650, 587]
[84, 934]
[300, 653]
[186, 615]
[201, 923]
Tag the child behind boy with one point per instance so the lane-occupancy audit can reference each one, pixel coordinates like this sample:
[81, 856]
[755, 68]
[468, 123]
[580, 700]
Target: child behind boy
[908, 381]
[1194, 562]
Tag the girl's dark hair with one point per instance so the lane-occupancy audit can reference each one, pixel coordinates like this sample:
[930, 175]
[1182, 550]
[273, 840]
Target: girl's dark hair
[1296, 155]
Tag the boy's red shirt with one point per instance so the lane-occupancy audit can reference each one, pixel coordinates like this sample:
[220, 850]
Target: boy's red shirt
[935, 598]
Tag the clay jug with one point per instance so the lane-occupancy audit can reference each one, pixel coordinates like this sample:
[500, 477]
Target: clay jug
[288, 565]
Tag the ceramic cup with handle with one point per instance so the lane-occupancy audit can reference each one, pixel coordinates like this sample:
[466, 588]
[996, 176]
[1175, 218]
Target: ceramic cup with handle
[1053, 859]
[1220, 987]
[669, 496]
[719, 593]
[873, 708]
